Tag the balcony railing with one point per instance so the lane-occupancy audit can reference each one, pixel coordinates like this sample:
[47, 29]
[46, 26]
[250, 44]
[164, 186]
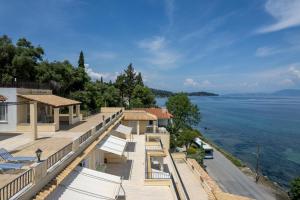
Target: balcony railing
[12, 188]
[59, 155]
[157, 175]
[85, 136]
[99, 126]
[19, 183]
[151, 129]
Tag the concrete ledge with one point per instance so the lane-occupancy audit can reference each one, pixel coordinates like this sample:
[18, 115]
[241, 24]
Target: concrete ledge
[157, 182]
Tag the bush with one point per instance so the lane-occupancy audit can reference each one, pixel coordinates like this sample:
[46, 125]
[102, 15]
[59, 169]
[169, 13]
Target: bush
[294, 192]
[191, 151]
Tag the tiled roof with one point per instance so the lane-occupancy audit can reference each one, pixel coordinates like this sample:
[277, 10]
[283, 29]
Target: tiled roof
[50, 99]
[138, 115]
[160, 113]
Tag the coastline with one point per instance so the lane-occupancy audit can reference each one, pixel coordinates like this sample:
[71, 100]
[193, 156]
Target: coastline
[276, 189]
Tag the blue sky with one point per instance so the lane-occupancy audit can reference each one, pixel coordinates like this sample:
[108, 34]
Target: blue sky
[212, 45]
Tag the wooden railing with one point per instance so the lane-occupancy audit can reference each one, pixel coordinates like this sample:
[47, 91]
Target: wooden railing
[53, 159]
[16, 185]
[85, 136]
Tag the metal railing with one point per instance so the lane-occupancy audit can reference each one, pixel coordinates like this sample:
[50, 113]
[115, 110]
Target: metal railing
[54, 158]
[157, 175]
[85, 136]
[99, 126]
[16, 185]
[184, 189]
[107, 120]
[175, 188]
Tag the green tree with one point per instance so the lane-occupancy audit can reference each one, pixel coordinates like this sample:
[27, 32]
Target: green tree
[80, 77]
[185, 113]
[139, 79]
[294, 192]
[7, 53]
[111, 97]
[121, 85]
[186, 137]
[81, 60]
[130, 81]
[144, 95]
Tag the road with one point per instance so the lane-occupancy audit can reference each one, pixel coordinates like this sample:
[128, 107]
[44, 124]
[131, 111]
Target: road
[232, 180]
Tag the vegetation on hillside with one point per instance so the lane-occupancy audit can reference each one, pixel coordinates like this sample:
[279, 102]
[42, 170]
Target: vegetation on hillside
[294, 192]
[23, 62]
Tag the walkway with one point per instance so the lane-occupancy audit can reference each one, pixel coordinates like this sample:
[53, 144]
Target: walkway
[191, 182]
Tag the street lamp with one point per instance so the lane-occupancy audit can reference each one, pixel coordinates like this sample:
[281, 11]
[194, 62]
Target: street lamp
[38, 153]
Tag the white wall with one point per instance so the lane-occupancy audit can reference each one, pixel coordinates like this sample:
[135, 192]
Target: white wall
[11, 125]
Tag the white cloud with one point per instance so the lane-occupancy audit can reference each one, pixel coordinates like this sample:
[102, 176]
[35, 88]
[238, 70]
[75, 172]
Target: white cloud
[97, 75]
[169, 4]
[153, 44]
[285, 12]
[159, 54]
[265, 51]
[191, 82]
[294, 70]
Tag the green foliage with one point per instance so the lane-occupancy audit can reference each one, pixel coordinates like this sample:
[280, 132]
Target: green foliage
[294, 192]
[144, 96]
[185, 113]
[186, 137]
[24, 62]
[81, 60]
[132, 89]
[191, 150]
[139, 79]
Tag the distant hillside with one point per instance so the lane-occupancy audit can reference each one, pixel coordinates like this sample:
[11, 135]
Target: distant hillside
[288, 92]
[162, 93]
[165, 93]
[202, 94]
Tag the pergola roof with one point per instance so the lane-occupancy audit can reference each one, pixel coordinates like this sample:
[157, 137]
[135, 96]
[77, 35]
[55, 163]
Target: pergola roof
[50, 99]
[113, 145]
[138, 115]
[87, 184]
[3, 98]
[124, 129]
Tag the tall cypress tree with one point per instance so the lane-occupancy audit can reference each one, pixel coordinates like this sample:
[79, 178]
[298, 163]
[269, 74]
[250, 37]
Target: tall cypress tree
[139, 79]
[81, 60]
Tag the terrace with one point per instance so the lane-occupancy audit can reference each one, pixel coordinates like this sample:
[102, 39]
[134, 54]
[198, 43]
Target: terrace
[57, 153]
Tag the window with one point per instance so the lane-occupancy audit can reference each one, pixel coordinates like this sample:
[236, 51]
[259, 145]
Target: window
[3, 112]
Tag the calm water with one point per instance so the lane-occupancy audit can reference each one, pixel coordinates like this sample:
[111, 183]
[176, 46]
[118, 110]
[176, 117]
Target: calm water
[238, 124]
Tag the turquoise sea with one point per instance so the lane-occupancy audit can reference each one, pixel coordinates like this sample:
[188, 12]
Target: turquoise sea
[238, 124]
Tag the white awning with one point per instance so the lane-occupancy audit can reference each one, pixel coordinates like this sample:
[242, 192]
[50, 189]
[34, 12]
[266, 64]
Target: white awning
[87, 184]
[113, 145]
[124, 129]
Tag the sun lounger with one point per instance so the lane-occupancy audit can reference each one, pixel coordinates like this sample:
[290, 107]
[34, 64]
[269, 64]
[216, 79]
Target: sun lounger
[7, 166]
[5, 155]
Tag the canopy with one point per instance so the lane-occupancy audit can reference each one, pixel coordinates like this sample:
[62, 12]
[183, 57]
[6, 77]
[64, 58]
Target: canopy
[87, 184]
[113, 145]
[50, 99]
[124, 129]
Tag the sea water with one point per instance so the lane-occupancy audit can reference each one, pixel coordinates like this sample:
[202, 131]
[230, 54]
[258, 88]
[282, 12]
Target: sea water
[239, 124]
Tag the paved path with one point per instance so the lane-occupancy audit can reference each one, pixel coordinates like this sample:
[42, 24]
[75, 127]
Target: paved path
[191, 182]
[232, 180]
